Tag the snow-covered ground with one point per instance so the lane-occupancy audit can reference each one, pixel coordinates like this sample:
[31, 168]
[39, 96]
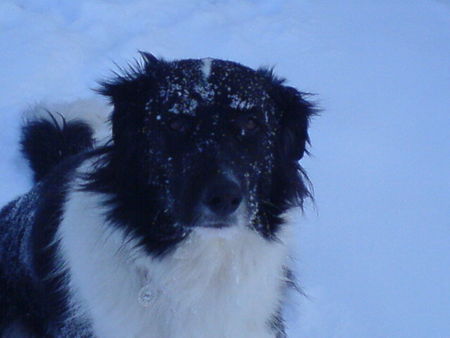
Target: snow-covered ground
[374, 252]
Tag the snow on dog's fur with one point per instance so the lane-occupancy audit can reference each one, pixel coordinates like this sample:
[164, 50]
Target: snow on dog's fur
[175, 227]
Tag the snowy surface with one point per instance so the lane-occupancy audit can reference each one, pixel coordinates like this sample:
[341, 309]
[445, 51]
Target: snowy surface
[374, 254]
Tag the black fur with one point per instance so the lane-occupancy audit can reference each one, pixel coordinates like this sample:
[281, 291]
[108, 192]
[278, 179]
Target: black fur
[34, 296]
[46, 142]
[174, 135]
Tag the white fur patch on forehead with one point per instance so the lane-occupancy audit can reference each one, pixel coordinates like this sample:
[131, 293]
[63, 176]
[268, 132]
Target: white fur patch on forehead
[206, 67]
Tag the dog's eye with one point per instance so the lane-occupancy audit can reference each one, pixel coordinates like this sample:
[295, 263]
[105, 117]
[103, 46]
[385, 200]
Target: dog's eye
[180, 125]
[247, 124]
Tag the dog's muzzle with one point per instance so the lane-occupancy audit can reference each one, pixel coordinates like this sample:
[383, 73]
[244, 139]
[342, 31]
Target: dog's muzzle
[220, 199]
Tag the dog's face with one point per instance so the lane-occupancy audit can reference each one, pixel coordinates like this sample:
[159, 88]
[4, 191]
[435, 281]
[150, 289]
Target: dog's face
[207, 143]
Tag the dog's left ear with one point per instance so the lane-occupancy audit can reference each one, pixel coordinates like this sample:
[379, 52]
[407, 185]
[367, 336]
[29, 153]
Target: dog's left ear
[296, 113]
[295, 122]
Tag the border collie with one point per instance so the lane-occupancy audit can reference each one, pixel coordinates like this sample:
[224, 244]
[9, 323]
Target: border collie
[174, 228]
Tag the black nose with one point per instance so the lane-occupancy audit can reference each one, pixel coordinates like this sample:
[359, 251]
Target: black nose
[222, 197]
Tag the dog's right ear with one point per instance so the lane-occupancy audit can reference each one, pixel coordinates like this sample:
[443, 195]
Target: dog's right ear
[128, 92]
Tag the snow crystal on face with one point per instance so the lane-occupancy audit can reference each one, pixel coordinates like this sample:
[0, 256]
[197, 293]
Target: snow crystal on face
[189, 86]
[206, 92]
[238, 103]
[185, 106]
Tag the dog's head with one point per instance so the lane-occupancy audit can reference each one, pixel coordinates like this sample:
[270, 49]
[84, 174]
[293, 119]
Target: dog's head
[203, 143]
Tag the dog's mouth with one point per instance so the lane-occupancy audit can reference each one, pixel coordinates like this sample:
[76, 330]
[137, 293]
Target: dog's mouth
[216, 225]
[210, 220]
[218, 222]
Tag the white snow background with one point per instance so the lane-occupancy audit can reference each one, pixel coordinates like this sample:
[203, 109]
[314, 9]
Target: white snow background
[374, 254]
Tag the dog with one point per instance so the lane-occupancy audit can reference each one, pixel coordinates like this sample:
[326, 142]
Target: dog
[177, 227]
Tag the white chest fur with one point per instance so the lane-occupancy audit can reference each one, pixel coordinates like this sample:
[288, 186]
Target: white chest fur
[216, 284]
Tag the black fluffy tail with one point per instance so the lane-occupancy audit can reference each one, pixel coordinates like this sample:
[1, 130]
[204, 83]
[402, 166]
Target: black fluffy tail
[46, 142]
